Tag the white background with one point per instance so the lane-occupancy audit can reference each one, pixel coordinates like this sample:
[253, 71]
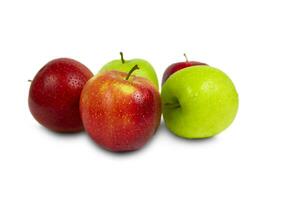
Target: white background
[255, 42]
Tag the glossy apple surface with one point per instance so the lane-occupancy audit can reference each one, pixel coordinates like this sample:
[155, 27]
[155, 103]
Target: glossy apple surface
[178, 66]
[55, 92]
[145, 68]
[120, 115]
[199, 102]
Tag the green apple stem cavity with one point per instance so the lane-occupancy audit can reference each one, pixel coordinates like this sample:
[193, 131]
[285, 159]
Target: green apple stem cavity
[131, 71]
[173, 105]
[122, 57]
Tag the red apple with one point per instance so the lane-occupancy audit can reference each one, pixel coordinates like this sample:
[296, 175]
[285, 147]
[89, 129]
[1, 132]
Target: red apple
[55, 92]
[178, 66]
[120, 111]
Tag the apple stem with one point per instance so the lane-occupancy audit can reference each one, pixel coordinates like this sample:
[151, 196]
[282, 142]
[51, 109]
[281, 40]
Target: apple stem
[122, 57]
[186, 59]
[130, 72]
[172, 105]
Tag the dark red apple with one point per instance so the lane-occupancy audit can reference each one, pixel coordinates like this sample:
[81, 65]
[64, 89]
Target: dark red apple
[120, 112]
[178, 66]
[55, 93]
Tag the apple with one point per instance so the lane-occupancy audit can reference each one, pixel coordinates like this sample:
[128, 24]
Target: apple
[145, 68]
[199, 102]
[55, 93]
[178, 66]
[120, 111]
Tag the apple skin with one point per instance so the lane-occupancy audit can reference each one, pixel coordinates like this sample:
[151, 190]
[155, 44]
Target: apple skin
[199, 102]
[120, 115]
[146, 70]
[178, 66]
[55, 93]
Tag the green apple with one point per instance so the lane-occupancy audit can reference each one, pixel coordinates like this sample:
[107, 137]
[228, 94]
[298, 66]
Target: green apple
[146, 70]
[199, 102]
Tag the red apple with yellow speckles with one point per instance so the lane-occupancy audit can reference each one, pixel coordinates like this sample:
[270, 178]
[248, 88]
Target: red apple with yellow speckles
[55, 93]
[120, 111]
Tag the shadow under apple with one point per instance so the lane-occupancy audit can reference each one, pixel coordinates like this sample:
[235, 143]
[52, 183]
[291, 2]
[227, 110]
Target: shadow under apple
[61, 134]
[164, 129]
